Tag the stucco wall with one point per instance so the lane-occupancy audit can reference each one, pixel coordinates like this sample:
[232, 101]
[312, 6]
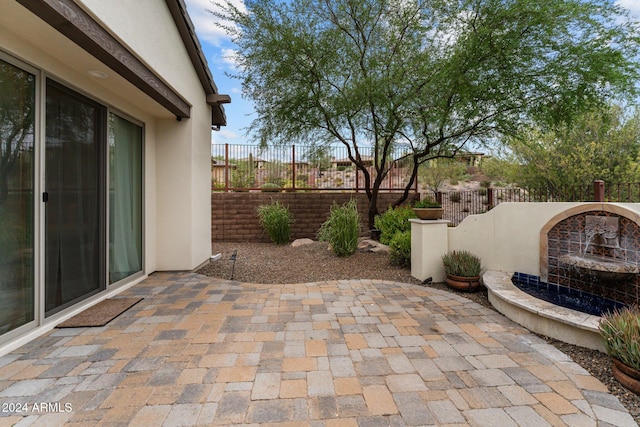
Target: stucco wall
[177, 165]
[507, 238]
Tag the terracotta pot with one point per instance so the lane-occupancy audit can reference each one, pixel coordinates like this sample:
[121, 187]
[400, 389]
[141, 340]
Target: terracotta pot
[429, 213]
[461, 283]
[626, 375]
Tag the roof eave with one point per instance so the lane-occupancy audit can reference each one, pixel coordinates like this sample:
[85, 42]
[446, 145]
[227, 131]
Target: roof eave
[187, 32]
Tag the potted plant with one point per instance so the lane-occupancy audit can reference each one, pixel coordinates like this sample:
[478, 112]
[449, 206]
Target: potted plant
[620, 331]
[462, 269]
[428, 209]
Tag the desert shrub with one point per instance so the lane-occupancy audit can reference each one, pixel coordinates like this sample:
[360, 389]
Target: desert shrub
[341, 229]
[270, 186]
[400, 248]
[276, 220]
[461, 263]
[482, 191]
[341, 168]
[287, 183]
[392, 221]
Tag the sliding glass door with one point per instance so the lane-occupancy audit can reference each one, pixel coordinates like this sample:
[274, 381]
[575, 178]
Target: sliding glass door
[17, 124]
[125, 198]
[74, 195]
[90, 164]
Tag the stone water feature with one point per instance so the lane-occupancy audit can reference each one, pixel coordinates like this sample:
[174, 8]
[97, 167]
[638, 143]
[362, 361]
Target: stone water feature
[601, 259]
[596, 253]
[589, 263]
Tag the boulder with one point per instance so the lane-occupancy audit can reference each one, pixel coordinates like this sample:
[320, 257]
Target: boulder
[301, 242]
[369, 245]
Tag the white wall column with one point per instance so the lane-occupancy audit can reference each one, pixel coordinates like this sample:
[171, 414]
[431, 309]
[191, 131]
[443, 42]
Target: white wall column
[429, 242]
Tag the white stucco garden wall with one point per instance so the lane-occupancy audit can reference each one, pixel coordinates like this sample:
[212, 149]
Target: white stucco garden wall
[507, 238]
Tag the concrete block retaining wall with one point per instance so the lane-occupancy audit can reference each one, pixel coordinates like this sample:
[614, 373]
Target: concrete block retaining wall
[234, 218]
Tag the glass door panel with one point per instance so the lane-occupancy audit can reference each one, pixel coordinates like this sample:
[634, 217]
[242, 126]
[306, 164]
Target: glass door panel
[125, 198]
[74, 218]
[17, 118]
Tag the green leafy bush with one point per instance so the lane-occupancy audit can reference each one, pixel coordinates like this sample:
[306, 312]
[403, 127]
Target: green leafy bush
[270, 186]
[276, 219]
[392, 221]
[620, 331]
[341, 229]
[461, 263]
[400, 248]
[426, 203]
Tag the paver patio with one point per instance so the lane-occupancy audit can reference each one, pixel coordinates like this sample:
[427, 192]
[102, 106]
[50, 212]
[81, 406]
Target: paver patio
[204, 351]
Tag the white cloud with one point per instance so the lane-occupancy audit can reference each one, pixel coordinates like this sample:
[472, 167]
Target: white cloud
[205, 23]
[632, 5]
[224, 135]
[230, 56]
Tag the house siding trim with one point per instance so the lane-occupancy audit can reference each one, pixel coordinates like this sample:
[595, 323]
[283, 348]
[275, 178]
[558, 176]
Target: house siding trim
[71, 20]
[179, 14]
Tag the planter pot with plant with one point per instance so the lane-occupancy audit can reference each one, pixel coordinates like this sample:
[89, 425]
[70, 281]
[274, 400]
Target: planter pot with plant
[620, 331]
[462, 269]
[428, 209]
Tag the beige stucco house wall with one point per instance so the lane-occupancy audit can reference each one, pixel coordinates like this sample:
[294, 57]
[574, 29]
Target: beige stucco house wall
[162, 82]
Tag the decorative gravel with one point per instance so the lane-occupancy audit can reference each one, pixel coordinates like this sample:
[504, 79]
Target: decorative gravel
[268, 263]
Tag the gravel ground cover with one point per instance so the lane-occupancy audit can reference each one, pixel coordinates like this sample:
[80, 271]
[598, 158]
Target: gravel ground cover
[268, 263]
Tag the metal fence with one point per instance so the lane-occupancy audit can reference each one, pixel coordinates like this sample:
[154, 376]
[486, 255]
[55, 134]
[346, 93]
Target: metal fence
[328, 168]
[309, 168]
[459, 204]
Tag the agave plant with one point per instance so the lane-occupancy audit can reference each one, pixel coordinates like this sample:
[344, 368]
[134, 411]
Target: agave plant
[620, 330]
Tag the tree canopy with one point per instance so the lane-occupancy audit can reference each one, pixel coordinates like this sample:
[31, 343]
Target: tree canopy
[434, 75]
[602, 144]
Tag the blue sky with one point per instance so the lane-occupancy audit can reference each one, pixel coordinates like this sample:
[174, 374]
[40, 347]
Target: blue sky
[218, 50]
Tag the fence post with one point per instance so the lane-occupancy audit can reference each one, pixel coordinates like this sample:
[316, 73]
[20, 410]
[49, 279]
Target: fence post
[490, 198]
[226, 168]
[598, 190]
[293, 167]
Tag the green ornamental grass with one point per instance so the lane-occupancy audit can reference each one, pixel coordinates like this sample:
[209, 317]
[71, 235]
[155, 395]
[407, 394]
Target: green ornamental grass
[276, 220]
[342, 228]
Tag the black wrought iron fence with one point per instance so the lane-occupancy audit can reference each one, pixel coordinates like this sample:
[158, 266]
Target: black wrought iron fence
[459, 204]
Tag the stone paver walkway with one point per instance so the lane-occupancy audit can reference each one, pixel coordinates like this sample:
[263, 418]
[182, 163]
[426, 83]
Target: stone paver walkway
[203, 351]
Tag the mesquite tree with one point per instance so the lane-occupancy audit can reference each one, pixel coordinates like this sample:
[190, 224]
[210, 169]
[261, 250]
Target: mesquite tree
[434, 75]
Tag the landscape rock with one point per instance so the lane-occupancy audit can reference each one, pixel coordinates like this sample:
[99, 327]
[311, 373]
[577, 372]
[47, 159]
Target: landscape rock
[301, 242]
[369, 245]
